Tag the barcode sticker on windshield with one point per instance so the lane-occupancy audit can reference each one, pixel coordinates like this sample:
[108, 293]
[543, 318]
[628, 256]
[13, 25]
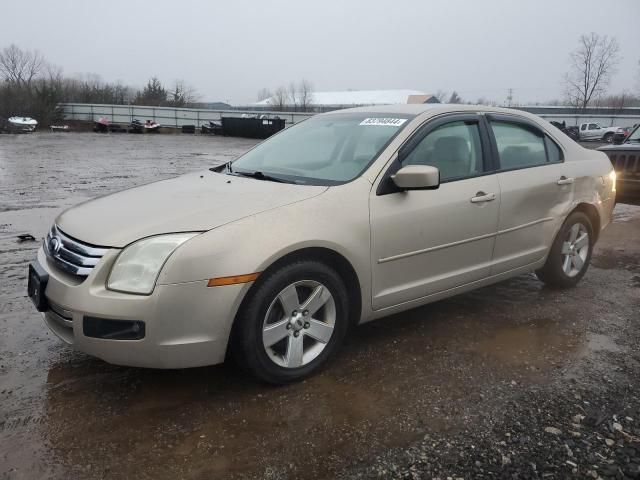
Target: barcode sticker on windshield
[385, 122]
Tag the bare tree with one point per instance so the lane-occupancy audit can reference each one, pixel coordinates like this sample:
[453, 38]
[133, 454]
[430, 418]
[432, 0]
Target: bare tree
[263, 94]
[279, 99]
[20, 67]
[181, 94]
[292, 92]
[592, 65]
[455, 98]
[616, 102]
[295, 96]
[442, 95]
[305, 95]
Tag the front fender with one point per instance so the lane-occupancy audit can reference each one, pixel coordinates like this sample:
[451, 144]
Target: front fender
[337, 220]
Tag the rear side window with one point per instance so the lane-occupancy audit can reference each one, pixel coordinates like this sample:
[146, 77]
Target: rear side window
[520, 146]
[554, 154]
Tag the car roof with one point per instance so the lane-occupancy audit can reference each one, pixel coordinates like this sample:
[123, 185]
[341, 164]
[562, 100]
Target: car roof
[431, 108]
[428, 110]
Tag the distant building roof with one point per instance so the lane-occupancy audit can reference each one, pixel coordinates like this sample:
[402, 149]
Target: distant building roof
[213, 105]
[422, 99]
[359, 97]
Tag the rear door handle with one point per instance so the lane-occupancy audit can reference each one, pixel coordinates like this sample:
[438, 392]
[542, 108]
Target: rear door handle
[565, 181]
[482, 197]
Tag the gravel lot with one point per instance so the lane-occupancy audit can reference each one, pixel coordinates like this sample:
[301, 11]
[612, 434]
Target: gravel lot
[510, 381]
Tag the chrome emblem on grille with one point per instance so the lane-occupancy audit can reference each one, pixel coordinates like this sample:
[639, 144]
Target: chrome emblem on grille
[55, 244]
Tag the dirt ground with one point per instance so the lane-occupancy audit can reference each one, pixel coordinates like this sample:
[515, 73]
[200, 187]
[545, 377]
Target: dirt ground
[510, 379]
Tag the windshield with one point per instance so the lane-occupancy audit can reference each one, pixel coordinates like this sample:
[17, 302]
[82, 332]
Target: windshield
[323, 150]
[635, 135]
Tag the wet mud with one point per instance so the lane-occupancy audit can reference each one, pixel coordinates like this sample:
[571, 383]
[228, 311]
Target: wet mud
[436, 369]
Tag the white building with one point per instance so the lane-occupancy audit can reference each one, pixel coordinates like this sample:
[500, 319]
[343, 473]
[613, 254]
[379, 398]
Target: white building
[353, 98]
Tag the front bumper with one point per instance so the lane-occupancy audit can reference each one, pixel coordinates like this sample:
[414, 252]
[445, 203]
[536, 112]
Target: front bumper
[185, 324]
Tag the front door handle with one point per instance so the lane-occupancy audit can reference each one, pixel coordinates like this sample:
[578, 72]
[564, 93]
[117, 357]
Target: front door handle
[565, 181]
[482, 197]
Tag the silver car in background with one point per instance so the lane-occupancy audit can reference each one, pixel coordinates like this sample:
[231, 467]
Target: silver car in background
[338, 220]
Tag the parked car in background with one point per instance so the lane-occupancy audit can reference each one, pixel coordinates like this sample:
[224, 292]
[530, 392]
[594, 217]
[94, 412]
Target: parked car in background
[625, 159]
[593, 131]
[571, 132]
[343, 218]
[622, 133]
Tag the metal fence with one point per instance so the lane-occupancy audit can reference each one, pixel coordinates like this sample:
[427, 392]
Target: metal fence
[177, 117]
[603, 120]
[165, 116]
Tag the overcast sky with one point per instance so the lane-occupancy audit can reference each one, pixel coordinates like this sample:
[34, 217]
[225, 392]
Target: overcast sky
[228, 50]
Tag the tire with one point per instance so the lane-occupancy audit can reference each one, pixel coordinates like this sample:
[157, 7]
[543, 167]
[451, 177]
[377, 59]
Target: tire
[570, 253]
[608, 138]
[278, 338]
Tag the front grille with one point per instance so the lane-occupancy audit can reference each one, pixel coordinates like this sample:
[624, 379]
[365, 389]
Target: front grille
[626, 162]
[70, 255]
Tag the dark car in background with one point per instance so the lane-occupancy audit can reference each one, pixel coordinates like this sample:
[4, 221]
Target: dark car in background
[571, 132]
[625, 159]
[622, 133]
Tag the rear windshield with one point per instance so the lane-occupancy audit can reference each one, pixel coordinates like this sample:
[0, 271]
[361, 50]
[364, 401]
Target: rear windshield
[325, 149]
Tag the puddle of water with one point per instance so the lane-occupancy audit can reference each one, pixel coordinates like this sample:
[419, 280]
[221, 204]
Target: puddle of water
[535, 344]
[220, 420]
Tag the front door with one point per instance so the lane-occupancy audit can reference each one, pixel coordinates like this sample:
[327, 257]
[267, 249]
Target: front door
[428, 241]
[594, 131]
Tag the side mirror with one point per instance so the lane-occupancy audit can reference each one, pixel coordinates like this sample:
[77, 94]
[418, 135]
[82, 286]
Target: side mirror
[417, 177]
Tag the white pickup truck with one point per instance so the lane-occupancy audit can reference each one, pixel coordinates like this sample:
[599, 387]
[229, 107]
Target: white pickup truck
[593, 131]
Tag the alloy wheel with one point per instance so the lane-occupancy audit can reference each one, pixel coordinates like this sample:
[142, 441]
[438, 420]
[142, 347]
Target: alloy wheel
[299, 324]
[575, 250]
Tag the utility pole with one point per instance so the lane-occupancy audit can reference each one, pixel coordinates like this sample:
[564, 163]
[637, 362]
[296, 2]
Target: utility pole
[509, 97]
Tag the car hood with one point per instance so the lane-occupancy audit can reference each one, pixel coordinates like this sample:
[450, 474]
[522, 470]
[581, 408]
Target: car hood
[622, 146]
[193, 202]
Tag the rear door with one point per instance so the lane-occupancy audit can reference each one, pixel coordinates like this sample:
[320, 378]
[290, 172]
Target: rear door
[536, 188]
[428, 241]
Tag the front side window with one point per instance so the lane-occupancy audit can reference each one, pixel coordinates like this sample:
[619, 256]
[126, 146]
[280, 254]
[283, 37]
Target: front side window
[518, 146]
[323, 150]
[454, 148]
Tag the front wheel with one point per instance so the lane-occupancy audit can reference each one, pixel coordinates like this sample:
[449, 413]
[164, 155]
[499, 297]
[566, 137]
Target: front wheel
[570, 253]
[292, 323]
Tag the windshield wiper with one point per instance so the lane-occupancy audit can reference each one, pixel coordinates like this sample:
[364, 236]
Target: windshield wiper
[261, 176]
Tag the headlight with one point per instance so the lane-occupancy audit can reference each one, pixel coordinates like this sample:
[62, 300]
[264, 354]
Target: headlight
[137, 267]
[612, 177]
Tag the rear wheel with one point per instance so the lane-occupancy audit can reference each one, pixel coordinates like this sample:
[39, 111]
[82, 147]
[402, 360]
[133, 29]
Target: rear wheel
[292, 323]
[570, 253]
[608, 138]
